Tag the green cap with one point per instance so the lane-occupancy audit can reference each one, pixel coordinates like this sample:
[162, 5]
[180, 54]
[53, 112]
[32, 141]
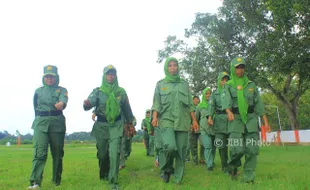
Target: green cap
[223, 74]
[50, 70]
[148, 110]
[237, 61]
[108, 68]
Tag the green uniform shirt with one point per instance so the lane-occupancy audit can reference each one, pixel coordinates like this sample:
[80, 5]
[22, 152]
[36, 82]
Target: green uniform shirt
[253, 99]
[98, 99]
[173, 102]
[201, 116]
[147, 125]
[45, 99]
[219, 115]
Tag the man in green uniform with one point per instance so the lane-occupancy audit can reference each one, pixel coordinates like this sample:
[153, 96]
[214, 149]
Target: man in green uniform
[146, 127]
[242, 102]
[218, 119]
[194, 138]
[49, 126]
[207, 132]
[173, 111]
[113, 111]
[126, 145]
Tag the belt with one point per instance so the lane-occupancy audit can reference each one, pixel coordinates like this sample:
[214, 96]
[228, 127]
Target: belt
[104, 119]
[49, 113]
[220, 112]
[236, 110]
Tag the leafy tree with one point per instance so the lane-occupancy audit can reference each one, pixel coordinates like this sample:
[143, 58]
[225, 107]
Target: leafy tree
[273, 36]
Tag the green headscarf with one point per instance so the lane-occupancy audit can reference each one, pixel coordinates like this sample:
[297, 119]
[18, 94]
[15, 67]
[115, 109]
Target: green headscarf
[112, 108]
[148, 118]
[219, 80]
[204, 101]
[239, 84]
[169, 77]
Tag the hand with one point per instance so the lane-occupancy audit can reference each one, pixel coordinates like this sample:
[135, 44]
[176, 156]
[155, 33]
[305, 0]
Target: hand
[86, 103]
[59, 106]
[154, 122]
[210, 122]
[230, 116]
[93, 117]
[195, 126]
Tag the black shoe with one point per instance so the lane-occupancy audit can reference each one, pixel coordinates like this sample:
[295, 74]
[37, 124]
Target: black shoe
[248, 182]
[233, 173]
[166, 177]
[210, 169]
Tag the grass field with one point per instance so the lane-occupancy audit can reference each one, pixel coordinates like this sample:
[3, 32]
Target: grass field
[278, 168]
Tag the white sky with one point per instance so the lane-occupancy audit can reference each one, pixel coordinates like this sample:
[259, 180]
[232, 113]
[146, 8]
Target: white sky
[81, 38]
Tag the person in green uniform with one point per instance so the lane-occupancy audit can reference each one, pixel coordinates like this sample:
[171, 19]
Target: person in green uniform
[126, 145]
[146, 127]
[49, 126]
[218, 120]
[207, 132]
[113, 110]
[242, 102]
[195, 138]
[173, 111]
[196, 101]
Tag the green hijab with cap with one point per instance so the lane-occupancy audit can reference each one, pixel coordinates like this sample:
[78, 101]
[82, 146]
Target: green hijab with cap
[204, 102]
[219, 80]
[113, 108]
[171, 78]
[51, 70]
[239, 83]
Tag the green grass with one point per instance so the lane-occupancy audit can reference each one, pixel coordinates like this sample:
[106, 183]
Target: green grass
[278, 168]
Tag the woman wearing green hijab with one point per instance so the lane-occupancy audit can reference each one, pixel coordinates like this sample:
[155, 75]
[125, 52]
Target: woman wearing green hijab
[218, 119]
[173, 111]
[113, 110]
[242, 102]
[207, 132]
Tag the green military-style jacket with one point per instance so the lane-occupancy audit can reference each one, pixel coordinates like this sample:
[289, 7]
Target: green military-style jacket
[201, 116]
[44, 100]
[173, 102]
[253, 99]
[219, 115]
[98, 100]
[148, 126]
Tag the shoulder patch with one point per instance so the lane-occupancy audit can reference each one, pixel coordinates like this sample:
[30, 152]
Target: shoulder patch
[164, 88]
[58, 90]
[251, 90]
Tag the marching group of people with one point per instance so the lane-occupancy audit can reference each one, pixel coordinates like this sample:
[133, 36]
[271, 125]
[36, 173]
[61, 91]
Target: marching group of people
[172, 128]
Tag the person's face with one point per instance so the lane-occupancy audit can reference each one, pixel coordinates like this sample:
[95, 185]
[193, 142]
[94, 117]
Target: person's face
[208, 94]
[239, 71]
[110, 76]
[196, 101]
[173, 67]
[224, 80]
[49, 80]
[147, 114]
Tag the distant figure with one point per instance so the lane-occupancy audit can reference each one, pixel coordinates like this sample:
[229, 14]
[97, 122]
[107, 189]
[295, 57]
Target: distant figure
[49, 126]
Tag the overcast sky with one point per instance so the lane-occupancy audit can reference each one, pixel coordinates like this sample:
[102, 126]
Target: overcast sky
[81, 38]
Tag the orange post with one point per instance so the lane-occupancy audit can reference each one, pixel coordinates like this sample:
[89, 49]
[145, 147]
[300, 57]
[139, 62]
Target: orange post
[278, 137]
[18, 141]
[263, 133]
[297, 136]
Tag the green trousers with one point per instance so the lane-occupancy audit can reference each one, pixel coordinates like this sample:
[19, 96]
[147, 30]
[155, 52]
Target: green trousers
[158, 147]
[194, 139]
[151, 146]
[244, 144]
[146, 142]
[125, 150]
[174, 148]
[188, 151]
[221, 141]
[109, 140]
[41, 141]
[210, 149]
